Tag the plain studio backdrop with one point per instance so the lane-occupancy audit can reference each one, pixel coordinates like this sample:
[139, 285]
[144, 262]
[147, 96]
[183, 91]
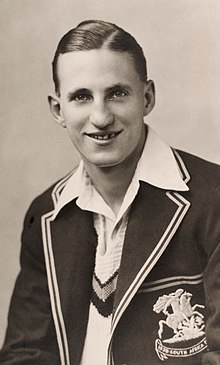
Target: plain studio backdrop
[181, 40]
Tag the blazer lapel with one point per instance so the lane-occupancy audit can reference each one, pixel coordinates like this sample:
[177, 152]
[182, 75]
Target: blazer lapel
[154, 219]
[69, 246]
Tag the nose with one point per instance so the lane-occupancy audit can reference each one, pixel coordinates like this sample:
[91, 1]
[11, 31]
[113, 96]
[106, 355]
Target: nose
[100, 115]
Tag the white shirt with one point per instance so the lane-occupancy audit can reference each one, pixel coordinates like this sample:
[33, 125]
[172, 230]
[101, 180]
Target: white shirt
[157, 166]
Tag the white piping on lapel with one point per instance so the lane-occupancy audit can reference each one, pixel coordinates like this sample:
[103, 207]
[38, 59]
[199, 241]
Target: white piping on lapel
[183, 206]
[59, 187]
[182, 168]
[46, 220]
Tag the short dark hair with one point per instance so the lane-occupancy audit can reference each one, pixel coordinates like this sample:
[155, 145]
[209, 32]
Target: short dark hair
[95, 34]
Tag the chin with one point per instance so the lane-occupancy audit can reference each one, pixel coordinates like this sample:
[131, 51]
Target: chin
[105, 162]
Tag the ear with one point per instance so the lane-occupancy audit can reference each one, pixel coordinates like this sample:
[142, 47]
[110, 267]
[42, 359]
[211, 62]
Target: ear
[149, 97]
[55, 108]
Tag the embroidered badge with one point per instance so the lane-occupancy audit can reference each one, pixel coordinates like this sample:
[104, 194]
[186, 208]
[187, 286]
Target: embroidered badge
[181, 331]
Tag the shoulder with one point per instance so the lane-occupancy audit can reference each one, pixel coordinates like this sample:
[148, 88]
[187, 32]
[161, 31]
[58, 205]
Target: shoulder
[46, 201]
[204, 196]
[202, 174]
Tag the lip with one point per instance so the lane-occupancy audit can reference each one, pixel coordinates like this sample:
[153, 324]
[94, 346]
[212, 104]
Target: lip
[103, 136]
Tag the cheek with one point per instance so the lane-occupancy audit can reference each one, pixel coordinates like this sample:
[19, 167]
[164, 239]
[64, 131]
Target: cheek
[73, 130]
[75, 120]
[74, 136]
[135, 108]
[68, 113]
[133, 118]
[69, 110]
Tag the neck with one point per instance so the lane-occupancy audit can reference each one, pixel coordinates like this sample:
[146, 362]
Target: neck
[112, 182]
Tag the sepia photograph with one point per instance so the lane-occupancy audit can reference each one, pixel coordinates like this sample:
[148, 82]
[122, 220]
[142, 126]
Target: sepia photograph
[110, 182]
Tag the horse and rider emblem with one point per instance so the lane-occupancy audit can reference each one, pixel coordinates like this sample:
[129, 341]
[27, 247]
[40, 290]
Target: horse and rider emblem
[183, 324]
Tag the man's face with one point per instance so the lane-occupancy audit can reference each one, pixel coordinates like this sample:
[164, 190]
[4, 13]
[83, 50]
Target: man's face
[102, 105]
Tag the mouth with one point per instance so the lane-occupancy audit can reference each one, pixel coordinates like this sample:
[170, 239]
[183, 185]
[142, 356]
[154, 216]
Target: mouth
[103, 136]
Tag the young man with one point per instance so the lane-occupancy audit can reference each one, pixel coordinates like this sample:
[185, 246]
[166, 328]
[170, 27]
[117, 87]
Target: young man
[120, 260]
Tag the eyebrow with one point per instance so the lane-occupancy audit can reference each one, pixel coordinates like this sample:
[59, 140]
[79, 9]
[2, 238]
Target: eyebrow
[118, 86]
[73, 93]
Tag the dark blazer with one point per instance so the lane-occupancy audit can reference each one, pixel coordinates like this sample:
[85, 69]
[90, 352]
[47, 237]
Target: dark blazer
[167, 301]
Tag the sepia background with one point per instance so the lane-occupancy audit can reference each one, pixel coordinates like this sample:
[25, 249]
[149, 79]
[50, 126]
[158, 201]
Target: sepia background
[181, 39]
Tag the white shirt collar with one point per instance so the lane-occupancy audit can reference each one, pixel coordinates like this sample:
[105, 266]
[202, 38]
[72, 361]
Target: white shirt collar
[157, 166]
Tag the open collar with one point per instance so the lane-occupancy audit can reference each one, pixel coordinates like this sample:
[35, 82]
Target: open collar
[157, 166]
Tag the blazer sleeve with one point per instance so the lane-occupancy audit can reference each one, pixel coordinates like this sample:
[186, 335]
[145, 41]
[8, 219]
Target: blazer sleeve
[30, 336]
[212, 279]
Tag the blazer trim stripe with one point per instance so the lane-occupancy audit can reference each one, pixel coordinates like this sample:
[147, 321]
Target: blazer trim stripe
[183, 206]
[182, 167]
[52, 277]
[173, 278]
[54, 290]
[59, 187]
[171, 281]
[145, 289]
[110, 358]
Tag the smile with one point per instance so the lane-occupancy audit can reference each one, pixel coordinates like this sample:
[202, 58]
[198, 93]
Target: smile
[103, 137]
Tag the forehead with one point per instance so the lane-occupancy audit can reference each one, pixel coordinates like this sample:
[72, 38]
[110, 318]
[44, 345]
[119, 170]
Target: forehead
[96, 67]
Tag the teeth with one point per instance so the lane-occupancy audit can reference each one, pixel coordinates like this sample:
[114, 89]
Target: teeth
[103, 137]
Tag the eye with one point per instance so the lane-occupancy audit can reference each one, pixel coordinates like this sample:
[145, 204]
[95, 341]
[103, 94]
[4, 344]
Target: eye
[82, 97]
[117, 94]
